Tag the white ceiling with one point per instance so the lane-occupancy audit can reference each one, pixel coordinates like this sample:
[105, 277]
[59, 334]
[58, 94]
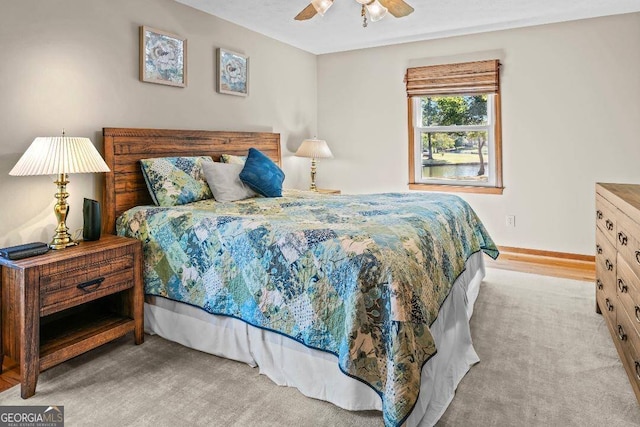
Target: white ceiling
[341, 28]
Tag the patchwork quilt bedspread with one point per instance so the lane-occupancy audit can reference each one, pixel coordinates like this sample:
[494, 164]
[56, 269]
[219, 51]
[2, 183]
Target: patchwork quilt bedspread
[362, 277]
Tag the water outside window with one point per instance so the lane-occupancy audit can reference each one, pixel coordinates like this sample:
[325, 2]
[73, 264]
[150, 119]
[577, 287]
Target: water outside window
[455, 155]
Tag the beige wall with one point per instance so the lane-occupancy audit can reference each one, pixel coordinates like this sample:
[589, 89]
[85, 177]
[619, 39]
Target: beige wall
[74, 64]
[570, 107]
[571, 117]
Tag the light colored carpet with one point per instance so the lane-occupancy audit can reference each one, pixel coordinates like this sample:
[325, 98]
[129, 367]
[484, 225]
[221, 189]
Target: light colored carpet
[546, 359]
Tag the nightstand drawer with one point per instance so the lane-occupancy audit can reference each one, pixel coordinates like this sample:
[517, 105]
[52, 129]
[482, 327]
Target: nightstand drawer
[84, 279]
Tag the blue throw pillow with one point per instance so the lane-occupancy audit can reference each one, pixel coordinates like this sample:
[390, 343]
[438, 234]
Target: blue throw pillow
[262, 175]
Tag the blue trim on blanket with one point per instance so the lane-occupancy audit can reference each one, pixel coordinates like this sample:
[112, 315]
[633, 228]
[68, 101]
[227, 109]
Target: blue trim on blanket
[380, 394]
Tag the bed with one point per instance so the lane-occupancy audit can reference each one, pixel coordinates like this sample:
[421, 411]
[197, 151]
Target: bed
[363, 301]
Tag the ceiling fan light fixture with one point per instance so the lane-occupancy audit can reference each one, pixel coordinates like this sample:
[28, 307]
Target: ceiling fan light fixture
[321, 6]
[376, 10]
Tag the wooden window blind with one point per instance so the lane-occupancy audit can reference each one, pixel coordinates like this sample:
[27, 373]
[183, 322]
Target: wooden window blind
[467, 78]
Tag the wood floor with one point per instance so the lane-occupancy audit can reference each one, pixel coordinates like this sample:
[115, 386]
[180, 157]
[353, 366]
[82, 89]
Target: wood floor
[10, 374]
[537, 262]
[556, 264]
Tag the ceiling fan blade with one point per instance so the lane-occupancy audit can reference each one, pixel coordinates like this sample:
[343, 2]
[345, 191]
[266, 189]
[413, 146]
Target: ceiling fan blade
[397, 8]
[307, 13]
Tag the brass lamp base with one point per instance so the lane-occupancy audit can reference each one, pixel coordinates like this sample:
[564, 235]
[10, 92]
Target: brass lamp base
[62, 241]
[62, 238]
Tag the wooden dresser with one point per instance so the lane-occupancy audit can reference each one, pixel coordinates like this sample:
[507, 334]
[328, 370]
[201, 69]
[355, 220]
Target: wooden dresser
[618, 271]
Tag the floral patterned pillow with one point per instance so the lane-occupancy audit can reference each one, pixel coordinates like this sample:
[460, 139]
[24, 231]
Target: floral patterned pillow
[234, 160]
[176, 180]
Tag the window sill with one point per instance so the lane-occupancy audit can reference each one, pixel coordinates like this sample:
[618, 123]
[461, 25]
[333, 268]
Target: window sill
[457, 188]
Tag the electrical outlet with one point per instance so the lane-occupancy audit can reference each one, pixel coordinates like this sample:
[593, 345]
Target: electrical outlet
[511, 221]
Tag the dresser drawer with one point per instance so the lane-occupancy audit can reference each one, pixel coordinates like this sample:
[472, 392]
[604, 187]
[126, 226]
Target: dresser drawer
[605, 263]
[627, 289]
[606, 218]
[632, 355]
[84, 279]
[627, 333]
[627, 241]
[607, 306]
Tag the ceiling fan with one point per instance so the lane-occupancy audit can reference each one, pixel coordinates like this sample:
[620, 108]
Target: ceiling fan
[374, 9]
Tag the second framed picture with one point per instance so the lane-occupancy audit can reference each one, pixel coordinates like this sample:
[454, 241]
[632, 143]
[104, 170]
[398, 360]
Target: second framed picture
[232, 72]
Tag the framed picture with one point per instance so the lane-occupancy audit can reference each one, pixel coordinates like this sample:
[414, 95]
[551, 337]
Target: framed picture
[163, 57]
[233, 73]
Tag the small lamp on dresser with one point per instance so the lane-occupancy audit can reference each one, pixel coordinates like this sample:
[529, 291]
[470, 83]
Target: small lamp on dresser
[314, 149]
[60, 156]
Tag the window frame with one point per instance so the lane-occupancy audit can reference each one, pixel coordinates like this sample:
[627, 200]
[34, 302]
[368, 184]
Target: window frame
[420, 130]
[460, 79]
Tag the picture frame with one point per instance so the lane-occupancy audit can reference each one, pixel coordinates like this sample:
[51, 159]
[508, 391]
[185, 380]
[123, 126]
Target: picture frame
[163, 57]
[232, 72]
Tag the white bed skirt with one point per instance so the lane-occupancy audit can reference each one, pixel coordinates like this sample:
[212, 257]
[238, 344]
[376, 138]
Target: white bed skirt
[315, 373]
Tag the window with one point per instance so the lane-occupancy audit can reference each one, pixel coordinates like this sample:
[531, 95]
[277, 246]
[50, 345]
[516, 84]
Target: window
[454, 127]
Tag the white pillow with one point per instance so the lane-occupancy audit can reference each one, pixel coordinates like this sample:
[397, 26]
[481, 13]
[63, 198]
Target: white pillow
[224, 182]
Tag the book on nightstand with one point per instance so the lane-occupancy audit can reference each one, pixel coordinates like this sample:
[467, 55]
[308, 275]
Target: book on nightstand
[24, 251]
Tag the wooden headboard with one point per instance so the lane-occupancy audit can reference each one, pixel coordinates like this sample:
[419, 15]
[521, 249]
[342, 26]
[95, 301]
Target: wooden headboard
[124, 186]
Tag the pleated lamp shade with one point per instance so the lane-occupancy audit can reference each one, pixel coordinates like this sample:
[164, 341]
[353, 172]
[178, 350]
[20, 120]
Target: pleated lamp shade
[59, 154]
[315, 149]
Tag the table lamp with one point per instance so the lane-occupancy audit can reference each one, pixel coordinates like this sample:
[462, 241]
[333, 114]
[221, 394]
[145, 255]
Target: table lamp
[60, 155]
[314, 149]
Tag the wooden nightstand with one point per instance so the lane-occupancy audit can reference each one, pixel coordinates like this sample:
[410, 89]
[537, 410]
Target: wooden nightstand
[66, 302]
[328, 191]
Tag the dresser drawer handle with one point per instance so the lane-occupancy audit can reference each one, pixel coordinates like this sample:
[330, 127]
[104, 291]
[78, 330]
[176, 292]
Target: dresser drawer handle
[598, 214]
[609, 265]
[638, 257]
[599, 249]
[91, 285]
[608, 304]
[638, 370]
[638, 313]
[621, 335]
[599, 284]
[622, 238]
[622, 287]
[609, 225]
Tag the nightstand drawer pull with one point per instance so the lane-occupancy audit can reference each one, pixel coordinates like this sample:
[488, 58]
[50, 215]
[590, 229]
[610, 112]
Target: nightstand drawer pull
[599, 284]
[609, 225]
[621, 286]
[598, 249]
[609, 305]
[621, 335]
[598, 214]
[609, 265]
[95, 282]
[638, 370]
[622, 238]
[638, 257]
[638, 313]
